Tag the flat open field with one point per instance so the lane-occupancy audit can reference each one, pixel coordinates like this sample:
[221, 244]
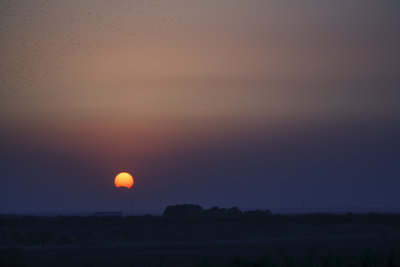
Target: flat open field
[273, 240]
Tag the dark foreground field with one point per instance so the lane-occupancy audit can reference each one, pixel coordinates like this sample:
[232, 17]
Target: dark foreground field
[257, 239]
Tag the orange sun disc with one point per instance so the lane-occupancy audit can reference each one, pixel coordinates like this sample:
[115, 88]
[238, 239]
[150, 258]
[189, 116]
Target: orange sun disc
[123, 179]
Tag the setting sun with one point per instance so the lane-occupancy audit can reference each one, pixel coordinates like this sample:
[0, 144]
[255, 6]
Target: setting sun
[123, 179]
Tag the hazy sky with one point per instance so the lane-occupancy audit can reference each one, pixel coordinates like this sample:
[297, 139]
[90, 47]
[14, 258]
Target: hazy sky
[258, 104]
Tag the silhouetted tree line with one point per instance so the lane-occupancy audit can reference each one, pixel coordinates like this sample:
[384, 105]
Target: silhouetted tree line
[181, 212]
[190, 210]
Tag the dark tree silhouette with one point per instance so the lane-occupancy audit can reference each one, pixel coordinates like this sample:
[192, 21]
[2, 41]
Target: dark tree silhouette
[182, 210]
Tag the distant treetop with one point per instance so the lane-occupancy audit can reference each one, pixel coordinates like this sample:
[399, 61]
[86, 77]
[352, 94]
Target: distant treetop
[191, 210]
